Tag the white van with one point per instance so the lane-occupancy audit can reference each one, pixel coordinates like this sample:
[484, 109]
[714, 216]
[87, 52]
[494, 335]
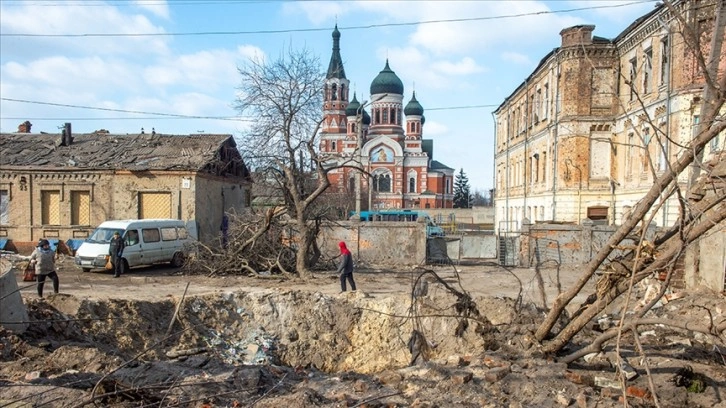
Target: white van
[147, 242]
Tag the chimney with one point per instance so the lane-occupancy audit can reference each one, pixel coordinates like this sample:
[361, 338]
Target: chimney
[67, 136]
[24, 127]
[577, 35]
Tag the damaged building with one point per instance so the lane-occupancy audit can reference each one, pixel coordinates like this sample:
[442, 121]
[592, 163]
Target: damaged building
[585, 135]
[61, 186]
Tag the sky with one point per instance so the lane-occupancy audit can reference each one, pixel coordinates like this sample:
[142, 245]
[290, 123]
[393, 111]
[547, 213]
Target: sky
[172, 65]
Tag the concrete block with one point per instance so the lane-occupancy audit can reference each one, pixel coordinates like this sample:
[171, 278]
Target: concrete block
[13, 313]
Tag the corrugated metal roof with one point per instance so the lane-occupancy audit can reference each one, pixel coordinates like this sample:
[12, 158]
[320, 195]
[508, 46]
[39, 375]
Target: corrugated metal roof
[111, 151]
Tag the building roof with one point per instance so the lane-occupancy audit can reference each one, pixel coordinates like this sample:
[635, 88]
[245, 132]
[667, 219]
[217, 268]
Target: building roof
[335, 68]
[134, 152]
[413, 107]
[436, 165]
[352, 109]
[387, 82]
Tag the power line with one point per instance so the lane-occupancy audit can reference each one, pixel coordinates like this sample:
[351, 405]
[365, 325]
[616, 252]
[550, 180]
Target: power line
[360, 27]
[170, 115]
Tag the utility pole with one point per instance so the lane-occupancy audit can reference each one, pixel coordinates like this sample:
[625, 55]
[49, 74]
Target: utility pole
[359, 149]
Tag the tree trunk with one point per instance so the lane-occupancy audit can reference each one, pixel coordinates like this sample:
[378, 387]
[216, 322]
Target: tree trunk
[667, 253]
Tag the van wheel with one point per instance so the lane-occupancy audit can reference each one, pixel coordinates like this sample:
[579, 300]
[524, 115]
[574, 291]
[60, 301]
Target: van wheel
[86, 269]
[124, 267]
[177, 260]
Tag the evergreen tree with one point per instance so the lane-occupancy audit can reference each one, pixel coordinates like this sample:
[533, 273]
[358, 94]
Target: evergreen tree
[462, 191]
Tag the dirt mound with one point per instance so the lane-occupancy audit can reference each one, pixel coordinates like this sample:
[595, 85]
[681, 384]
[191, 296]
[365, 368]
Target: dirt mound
[285, 347]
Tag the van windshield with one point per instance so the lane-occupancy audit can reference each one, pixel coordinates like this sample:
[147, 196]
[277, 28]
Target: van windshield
[103, 235]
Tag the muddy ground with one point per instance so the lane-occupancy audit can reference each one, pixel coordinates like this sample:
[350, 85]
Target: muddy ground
[160, 337]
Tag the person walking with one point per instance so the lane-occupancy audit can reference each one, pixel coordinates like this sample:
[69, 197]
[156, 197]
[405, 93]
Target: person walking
[43, 258]
[116, 251]
[345, 267]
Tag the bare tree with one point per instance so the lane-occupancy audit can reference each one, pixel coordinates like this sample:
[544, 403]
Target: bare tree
[284, 97]
[698, 215]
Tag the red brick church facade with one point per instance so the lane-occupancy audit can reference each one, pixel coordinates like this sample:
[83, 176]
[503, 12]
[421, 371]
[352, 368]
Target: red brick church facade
[399, 168]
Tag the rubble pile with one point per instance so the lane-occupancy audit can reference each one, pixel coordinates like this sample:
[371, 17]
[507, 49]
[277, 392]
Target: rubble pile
[285, 347]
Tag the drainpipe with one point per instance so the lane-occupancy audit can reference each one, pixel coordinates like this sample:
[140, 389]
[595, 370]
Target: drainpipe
[494, 168]
[526, 134]
[666, 145]
[556, 102]
[507, 170]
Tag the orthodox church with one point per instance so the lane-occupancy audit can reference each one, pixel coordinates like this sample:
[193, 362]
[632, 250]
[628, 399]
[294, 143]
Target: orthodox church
[389, 144]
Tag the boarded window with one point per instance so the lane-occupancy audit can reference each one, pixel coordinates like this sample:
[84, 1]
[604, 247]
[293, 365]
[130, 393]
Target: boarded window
[154, 205]
[597, 213]
[168, 234]
[4, 207]
[50, 207]
[150, 235]
[599, 156]
[80, 208]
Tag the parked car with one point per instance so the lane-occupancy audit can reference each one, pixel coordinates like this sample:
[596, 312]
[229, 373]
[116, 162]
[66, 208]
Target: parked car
[147, 242]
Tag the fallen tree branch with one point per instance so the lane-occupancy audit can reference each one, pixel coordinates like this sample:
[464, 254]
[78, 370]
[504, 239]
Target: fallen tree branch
[596, 346]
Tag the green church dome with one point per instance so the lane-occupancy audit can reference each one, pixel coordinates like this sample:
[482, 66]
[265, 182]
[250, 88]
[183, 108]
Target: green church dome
[387, 82]
[353, 106]
[413, 107]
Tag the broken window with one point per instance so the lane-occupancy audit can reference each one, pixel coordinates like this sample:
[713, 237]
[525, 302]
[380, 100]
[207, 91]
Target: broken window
[4, 207]
[647, 70]
[633, 74]
[664, 60]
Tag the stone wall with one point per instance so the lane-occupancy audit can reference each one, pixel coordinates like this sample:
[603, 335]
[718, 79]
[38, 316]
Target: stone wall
[567, 244]
[376, 243]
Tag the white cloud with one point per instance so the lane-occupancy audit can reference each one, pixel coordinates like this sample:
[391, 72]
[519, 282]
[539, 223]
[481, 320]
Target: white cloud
[251, 52]
[515, 57]
[157, 7]
[78, 73]
[75, 19]
[432, 128]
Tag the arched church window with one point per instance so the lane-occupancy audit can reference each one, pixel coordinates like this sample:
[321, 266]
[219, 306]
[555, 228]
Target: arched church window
[351, 185]
[385, 186]
[398, 117]
[382, 183]
[412, 184]
[333, 147]
[377, 116]
[343, 95]
[394, 118]
[334, 92]
[385, 116]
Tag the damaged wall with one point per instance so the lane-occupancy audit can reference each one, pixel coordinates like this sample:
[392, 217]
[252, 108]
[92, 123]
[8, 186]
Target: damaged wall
[389, 243]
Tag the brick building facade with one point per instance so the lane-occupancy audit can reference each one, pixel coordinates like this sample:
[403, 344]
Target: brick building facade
[576, 141]
[388, 143]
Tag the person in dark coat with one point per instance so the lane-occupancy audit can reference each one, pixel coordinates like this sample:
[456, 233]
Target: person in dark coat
[116, 251]
[43, 259]
[345, 267]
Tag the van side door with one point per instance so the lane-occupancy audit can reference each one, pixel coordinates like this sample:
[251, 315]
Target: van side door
[151, 245]
[132, 249]
[169, 243]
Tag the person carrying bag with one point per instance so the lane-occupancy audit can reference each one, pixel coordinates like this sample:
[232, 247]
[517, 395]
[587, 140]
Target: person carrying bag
[43, 259]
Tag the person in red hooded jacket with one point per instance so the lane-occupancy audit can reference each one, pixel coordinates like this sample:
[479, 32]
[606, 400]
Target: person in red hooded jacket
[345, 267]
